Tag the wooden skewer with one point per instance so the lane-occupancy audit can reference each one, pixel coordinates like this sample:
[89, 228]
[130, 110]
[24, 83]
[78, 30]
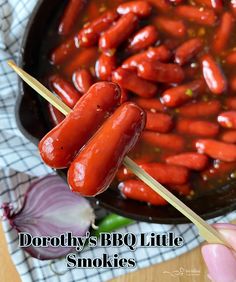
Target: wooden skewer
[210, 234]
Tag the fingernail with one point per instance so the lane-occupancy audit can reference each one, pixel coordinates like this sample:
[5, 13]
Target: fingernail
[220, 262]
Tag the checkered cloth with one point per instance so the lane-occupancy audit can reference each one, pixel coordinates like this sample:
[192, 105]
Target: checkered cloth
[20, 164]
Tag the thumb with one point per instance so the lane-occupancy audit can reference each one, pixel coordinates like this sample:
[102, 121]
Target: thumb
[221, 261]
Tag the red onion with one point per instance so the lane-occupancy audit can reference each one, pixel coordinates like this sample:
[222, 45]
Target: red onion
[51, 209]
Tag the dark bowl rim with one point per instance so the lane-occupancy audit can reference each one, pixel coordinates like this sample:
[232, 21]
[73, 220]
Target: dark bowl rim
[34, 140]
[20, 83]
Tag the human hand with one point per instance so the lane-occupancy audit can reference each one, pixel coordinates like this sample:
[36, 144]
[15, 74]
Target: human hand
[220, 260]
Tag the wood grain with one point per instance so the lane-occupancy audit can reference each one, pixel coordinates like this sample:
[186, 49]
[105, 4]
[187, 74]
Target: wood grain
[7, 270]
[191, 261]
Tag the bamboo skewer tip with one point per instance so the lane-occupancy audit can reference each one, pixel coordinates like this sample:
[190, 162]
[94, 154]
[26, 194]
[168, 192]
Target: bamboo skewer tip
[12, 64]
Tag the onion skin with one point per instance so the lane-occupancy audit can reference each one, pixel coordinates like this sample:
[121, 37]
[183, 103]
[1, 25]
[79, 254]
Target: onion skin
[51, 209]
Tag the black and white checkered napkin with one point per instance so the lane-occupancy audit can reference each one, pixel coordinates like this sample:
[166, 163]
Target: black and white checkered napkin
[20, 164]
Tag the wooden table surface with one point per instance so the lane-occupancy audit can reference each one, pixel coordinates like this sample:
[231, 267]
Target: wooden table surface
[165, 272]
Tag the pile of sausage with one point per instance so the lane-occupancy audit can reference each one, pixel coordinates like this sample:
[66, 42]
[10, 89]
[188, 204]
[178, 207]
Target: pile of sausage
[174, 59]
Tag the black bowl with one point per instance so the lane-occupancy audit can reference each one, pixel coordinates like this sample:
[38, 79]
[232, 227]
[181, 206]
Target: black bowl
[34, 124]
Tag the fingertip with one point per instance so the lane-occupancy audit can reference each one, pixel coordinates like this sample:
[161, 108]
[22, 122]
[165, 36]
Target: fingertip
[220, 261]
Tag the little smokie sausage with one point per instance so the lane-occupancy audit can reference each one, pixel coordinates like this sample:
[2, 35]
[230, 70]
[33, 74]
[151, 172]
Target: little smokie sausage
[218, 170]
[61, 144]
[230, 59]
[231, 103]
[153, 105]
[197, 127]
[140, 8]
[227, 119]
[175, 28]
[130, 81]
[64, 90]
[160, 53]
[195, 14]
[82, 80]
[217, 150]
[143, 39]
[118, 33]
[124, 96]
[190, 160]
[94, 10]
[164, 173]
[159, 122]
[96, 165]
[125, 174]
[169, 141]
[64, 51]
[182, 190]
[189, 49]
[167, 174]
[223, 33]
[215, 4]
[156, 71]
[84, 58]
[139, 191]
[162, 5]
[213, 75]
[176, 96]
[74, 7]
[104, 67]
[200, 109]
[55, 115]
[229, 136]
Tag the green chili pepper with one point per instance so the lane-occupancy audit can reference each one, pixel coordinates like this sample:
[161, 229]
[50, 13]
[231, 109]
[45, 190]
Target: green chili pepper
[111, 223]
